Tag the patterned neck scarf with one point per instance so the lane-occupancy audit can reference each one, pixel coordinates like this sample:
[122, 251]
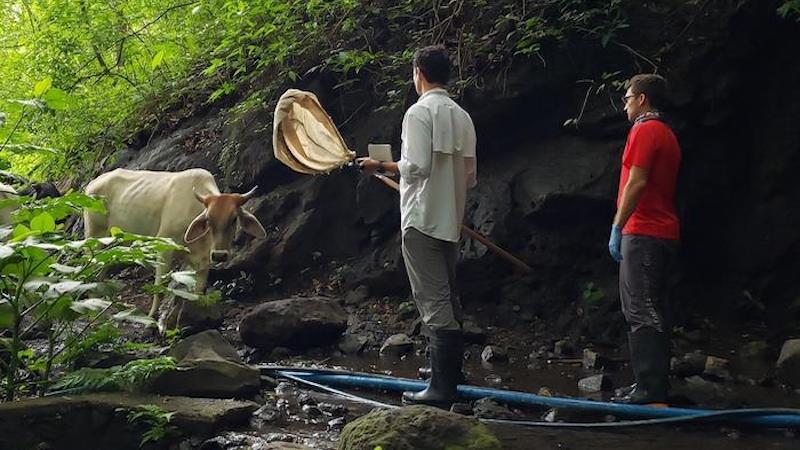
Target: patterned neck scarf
[647, 115]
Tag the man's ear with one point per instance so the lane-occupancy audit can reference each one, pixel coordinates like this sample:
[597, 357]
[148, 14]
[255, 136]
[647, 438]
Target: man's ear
[251, 225]
[197, 229]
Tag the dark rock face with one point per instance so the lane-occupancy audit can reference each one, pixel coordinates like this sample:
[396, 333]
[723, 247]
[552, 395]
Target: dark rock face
[295, 323]
[547, 192]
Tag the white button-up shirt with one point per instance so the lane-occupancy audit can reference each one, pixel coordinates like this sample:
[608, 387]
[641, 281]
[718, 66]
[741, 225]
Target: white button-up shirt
[437, 165]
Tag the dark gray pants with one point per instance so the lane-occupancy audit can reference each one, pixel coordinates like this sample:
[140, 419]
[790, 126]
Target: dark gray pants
[643, 281]
[431, 267]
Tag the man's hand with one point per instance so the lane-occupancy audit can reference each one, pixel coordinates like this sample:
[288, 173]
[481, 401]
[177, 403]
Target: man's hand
[368, 165]
[615, 243]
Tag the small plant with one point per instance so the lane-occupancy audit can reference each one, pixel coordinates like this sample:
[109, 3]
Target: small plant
[790, 8]
[130, 377]
[593, 293]
[155, 419]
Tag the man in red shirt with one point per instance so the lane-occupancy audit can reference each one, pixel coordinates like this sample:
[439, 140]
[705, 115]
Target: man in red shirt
[644, 236]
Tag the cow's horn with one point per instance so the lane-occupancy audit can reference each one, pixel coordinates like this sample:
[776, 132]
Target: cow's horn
[200, 198]
[249, 194]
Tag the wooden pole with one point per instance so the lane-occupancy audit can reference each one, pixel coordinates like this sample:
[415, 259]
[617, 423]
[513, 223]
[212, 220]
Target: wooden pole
[516, 262]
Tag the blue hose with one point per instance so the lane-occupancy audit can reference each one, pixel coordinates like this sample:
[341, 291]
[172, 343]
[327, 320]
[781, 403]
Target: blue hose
[770, 418]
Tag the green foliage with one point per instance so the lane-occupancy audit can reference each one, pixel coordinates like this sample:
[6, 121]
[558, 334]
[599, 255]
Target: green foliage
[156, 421]
[87, 379]
[81, 77]
[790, 8]
[49, 284]
[131, 377]
[592, 293]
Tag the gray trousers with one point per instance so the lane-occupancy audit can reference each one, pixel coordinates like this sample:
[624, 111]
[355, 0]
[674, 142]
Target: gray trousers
[431, 267]
[643, 281]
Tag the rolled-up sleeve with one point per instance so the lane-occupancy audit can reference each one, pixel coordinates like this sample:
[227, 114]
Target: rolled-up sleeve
[415, 158]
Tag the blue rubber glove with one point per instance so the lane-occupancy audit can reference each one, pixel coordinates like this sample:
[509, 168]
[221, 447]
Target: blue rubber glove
[615, 243]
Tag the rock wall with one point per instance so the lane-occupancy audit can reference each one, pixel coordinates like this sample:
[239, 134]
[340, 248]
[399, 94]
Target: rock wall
[546, 192]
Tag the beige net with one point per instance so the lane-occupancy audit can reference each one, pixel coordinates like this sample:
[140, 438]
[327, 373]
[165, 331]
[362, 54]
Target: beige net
[304, 137]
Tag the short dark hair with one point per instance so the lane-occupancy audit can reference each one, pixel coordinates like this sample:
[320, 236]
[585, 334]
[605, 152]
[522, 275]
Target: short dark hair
[434, 62]
[655, 87]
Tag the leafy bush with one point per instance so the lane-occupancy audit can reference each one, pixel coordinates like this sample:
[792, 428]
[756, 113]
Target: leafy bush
[49, 286]
[80, 78]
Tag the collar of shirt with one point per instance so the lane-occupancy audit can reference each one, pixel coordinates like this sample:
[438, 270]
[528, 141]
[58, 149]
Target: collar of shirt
[434, 91]
[647, 115]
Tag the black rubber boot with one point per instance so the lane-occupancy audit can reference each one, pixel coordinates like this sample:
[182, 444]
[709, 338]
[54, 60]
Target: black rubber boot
[650, 363]
[425, 373]
[447, 356]
[625, 390]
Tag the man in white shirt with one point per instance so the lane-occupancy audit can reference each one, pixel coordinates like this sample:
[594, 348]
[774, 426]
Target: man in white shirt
[437, 165]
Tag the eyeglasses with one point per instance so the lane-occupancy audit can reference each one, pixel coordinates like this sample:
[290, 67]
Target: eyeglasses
[626, 97]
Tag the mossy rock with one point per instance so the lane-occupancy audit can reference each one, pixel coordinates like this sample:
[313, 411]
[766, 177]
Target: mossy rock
[417, 427]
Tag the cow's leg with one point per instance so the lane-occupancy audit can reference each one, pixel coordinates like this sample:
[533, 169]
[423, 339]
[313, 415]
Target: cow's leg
[162, 268]
[201, 278]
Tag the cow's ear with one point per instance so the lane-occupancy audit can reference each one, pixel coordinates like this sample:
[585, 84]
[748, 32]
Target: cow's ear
[197, 229]
[251, 225]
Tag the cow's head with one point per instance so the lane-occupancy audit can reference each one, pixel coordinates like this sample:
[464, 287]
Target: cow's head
[222, 213]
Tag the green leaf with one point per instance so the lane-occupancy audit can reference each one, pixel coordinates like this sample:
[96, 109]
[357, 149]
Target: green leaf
[90, 305]
[42, 86]
[5, 251]
[186, 278]
[184, 294]
[157, 59]
[21, 231]
[43, 222]
[65, 269]
[69, 287]
[58, 100]
[134, 316]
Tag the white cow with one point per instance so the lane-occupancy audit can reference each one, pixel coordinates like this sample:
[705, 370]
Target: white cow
[185, 206]
[6, 192]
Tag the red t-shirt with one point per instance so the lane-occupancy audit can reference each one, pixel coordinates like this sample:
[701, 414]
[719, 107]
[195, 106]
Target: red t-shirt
[652, 146]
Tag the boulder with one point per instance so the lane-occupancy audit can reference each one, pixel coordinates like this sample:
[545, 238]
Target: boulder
[100, 421]
[788, 364]
[197, 317]
[352, 344]
[208, 367]
[752, 362]
[418, 427]
[296, 323]
[717, 368]
[689, 364]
